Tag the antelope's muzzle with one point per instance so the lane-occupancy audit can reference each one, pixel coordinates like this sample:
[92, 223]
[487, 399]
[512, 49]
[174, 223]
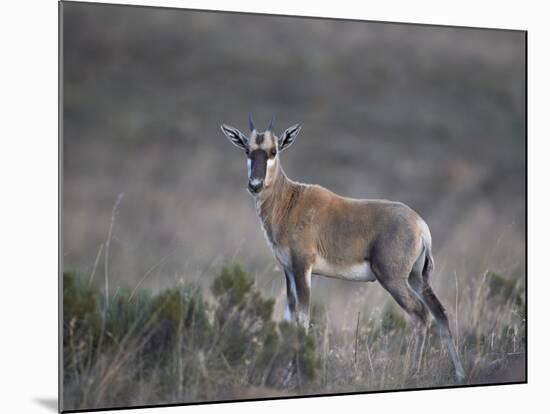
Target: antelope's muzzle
[255, 187]
[256, 175]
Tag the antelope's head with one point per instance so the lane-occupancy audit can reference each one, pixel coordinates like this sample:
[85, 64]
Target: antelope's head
[262, 151]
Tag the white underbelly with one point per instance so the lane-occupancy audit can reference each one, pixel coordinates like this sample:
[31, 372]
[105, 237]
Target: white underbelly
[359, 272]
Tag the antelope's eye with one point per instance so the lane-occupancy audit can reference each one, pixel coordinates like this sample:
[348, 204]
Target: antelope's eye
[247, 151]
[273, 152]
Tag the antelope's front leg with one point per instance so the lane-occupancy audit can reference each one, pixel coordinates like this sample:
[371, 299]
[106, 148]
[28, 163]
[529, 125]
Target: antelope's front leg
[291, 296]
[298, 284]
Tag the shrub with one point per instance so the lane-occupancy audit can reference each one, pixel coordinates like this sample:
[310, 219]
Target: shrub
[81, 322]
[179, 345]
[249, 336]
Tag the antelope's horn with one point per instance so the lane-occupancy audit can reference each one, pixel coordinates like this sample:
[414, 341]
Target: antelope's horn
[251, 123]
[270, 126]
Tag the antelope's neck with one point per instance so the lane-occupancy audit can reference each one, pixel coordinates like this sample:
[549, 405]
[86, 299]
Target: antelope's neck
[275, 202]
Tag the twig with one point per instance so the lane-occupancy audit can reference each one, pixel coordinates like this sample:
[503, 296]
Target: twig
[106, 299]
[356, 338]
[476, 311]
[160, 262]
[456, 310]
[326, 347]
[371, 366]
[107, 246]
[95, 264]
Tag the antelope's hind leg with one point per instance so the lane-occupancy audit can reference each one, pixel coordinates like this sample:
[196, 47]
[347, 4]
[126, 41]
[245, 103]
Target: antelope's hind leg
[415, 282]
[403, 294]
[438, 311]
[399, 288]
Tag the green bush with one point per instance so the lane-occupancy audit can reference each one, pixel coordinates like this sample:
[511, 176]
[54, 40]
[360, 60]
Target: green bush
[81, 322]
[232, 286]
[249, 335]
[176, 340]
[80, 306]
[298, 345]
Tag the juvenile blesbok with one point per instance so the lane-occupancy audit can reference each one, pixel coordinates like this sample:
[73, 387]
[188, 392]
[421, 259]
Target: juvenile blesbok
[314, 231]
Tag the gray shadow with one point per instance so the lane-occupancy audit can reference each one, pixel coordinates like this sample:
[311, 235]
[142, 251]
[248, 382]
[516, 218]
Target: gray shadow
[49, 403]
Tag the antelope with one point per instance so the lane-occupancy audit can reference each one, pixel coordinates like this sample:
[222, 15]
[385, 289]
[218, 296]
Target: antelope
[313, 231]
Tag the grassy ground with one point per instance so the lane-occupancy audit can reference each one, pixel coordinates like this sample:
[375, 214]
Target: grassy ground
[177, 346]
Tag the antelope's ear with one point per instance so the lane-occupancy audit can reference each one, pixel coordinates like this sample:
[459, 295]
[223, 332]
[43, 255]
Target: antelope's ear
[236, 137]
[289, 136]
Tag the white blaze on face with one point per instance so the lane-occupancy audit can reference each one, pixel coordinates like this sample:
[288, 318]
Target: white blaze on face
[249, 166]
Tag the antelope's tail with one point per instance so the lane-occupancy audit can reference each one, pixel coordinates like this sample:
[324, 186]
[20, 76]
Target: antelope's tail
[428, 265]
[429, 260]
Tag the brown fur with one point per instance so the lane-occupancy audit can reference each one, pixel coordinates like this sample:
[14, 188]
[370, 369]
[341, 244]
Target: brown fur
[310, 220]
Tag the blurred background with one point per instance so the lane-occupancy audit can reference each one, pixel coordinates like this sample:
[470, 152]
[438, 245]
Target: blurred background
[430, 116]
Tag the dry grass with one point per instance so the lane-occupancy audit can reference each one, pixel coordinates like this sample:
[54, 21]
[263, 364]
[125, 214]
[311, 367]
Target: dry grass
[177, 347]
[489, 329]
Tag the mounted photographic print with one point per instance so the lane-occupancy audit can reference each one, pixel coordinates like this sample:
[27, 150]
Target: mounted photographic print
[262, 206]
